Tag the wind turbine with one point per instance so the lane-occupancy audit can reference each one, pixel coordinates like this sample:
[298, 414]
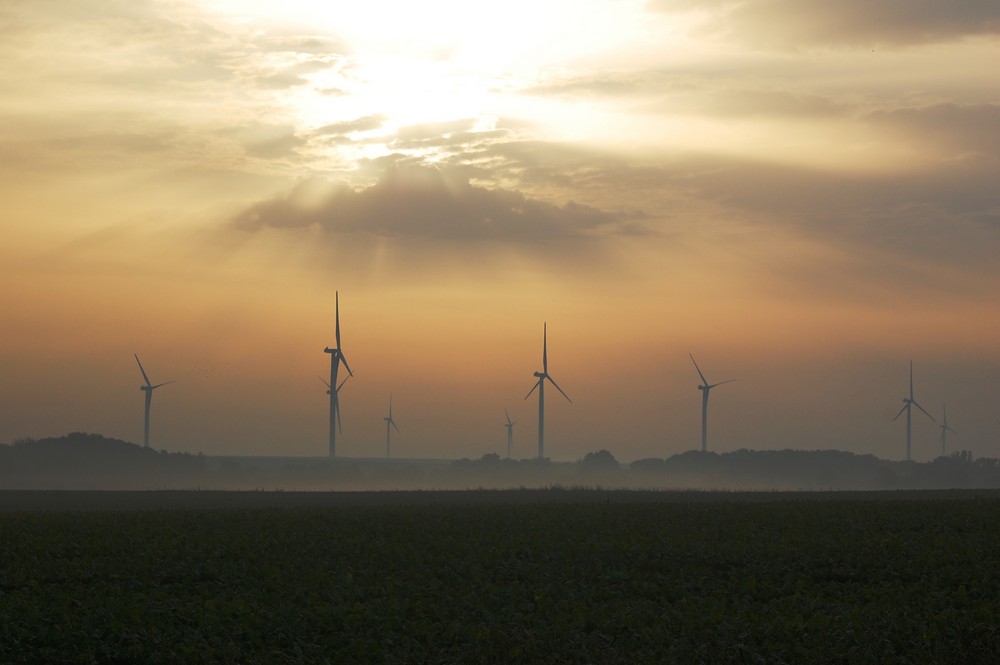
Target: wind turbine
[705, 388]
[944, 430]
[540, 384]
[148, 389]
[328, 389]
[336, 357]
[389, 422]
[510, 432]
[909, 402]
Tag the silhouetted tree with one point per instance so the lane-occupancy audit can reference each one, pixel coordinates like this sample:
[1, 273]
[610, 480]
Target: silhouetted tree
[602, 460]
[649, 465]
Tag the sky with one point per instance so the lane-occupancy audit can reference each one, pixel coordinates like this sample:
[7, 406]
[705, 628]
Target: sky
[802, 195]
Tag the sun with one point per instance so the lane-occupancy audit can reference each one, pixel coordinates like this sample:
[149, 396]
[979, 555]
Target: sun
[440, 61]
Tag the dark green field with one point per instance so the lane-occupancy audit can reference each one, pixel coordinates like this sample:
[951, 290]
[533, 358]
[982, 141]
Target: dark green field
[554, 576]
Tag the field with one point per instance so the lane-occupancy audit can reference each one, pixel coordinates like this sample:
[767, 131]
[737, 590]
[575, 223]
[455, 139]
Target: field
[558, 576]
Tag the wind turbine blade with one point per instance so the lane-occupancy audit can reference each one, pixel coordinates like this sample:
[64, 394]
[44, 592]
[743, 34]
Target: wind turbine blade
[900, 412]
[545, 348]
[924, 410]
[508, 416]
[342, 383]
[704, 381]
[336, 410]
[325, 382]
[343, 359]
[911, 382]
[720, 383]
[553, 382]
[393, 423]
[161, 384]
[148, 382]
[537, 383]
[338, 318]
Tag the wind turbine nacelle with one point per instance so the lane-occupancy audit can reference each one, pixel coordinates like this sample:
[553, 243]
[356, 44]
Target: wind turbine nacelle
[144, 388]
[540, 375]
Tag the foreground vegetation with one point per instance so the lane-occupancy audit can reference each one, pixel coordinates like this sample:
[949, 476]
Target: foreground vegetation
[515, 577]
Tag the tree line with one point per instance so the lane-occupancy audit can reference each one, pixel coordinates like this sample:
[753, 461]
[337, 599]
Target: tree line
[91, 461]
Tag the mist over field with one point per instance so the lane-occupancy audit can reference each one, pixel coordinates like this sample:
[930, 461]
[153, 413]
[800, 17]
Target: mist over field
[82, 461]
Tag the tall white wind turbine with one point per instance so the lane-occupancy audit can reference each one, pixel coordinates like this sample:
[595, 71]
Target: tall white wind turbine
[389, 422]
[944, 430]
[543, 376]
[908, 403]
[705, 388]
[148, 389]
[510, 432]
[336, 357]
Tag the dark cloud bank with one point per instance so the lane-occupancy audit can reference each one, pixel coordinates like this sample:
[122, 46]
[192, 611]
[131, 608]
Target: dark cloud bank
[420, 202]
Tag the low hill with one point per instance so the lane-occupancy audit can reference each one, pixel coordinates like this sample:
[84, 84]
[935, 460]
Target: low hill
[91, 461]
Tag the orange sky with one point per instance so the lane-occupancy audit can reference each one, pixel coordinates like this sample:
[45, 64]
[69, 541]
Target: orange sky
[802, 195]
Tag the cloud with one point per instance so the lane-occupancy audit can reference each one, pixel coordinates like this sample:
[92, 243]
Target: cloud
[701, 94]
[267, 141]
[927, 229]
[294, 74]
[806, 23]
[972, 129]
[456, 136]
[428, 203]
[316, 45]
[85, 152]
[341, 129]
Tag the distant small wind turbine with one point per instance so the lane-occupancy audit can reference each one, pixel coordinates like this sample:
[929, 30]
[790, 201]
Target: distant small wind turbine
[908, 403]
[328, 389]
[705, 388]
[148, 389]
[336, 357]
[542, 377]
[389, 422]
[944, 430]
[510, 432]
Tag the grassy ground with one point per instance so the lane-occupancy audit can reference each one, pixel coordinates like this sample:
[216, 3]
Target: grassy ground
[556, 576]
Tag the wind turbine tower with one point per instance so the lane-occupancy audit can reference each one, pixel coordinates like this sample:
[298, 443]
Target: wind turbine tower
[510, 432]
[543, 376]
[944, 430]
[336, 357]
[148, 389]
[705, 388]
[908, 403]
[328, 390]
[389, 422]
